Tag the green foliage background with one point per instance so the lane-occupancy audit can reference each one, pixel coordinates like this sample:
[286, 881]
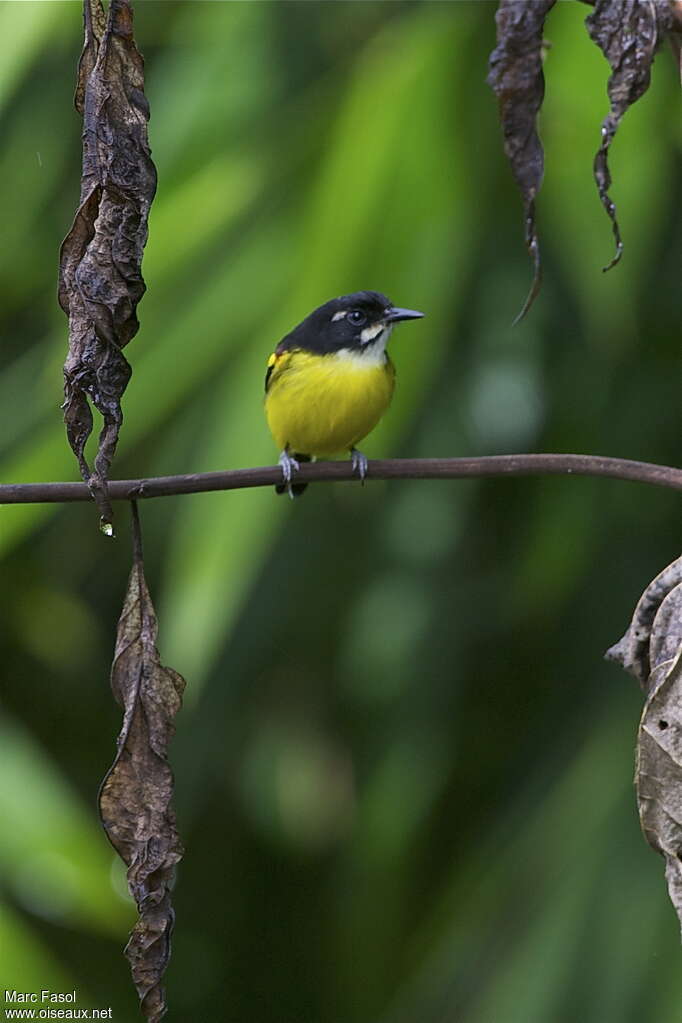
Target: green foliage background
[403, 769]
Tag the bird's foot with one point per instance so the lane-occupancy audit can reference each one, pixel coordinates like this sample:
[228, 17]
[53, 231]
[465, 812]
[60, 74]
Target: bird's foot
[289, 466]
[359, 463]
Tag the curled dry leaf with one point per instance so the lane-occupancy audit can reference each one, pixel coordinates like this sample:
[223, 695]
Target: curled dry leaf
[628, 32]
[100, 279]
[632, 651]
[658, 773]
[135, 797]
[519, 84]
[652, 651]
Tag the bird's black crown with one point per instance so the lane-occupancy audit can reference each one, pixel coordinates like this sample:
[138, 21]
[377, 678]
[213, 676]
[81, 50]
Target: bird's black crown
[339, 323]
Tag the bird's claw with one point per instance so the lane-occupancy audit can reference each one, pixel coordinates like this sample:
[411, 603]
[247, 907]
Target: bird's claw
[359, 463]
[289, 466]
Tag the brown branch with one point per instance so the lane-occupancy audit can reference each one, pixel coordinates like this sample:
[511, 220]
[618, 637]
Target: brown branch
[382, 469]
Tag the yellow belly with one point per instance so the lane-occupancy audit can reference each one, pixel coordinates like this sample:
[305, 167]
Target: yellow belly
[325, 404]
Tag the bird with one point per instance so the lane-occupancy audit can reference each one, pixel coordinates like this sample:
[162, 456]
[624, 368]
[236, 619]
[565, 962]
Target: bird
[330, 380]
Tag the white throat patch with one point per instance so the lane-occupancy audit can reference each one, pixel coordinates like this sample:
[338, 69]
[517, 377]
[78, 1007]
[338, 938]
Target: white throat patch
[373, 352]
[372, 332]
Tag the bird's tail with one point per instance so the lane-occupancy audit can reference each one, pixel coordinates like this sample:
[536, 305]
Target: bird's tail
[296, 489]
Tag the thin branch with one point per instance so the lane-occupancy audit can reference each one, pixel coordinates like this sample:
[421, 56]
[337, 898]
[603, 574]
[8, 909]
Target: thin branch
[382, 469]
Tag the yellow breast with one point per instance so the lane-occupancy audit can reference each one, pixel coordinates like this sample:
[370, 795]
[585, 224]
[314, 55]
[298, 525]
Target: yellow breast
[326, 404]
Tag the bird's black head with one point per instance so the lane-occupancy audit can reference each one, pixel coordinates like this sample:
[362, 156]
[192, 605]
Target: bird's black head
[360, 322]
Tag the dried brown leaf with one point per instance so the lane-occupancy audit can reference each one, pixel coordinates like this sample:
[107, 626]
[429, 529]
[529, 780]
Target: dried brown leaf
[135, 797]
[632, 651]
[651, 649]
[519, 84]
[628, 32]
[666, 632]
[100, 279]
[658, 775]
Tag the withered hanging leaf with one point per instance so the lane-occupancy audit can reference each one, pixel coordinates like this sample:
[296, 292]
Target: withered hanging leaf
[100, 279]
[519, 84]
[658, 775]
[651, 649]
[666, 632]
[633, 650]
[135, 797]
[628, 32]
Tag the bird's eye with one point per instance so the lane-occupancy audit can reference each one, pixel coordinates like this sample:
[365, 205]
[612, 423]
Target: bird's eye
[357, 317]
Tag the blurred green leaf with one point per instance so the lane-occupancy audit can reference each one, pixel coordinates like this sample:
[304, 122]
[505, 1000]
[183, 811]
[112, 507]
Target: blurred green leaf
[26, 963]
[55, 858]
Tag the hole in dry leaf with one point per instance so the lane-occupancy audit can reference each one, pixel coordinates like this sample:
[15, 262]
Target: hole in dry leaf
[662, 725]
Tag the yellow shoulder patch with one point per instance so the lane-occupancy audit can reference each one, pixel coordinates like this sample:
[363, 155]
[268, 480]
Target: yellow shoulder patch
[276, 359]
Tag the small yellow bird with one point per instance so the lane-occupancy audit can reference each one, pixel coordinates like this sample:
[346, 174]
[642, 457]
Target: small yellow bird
[330, 380]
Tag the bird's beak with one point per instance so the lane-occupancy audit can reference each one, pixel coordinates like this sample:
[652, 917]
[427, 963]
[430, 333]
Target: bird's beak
[395, 315]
